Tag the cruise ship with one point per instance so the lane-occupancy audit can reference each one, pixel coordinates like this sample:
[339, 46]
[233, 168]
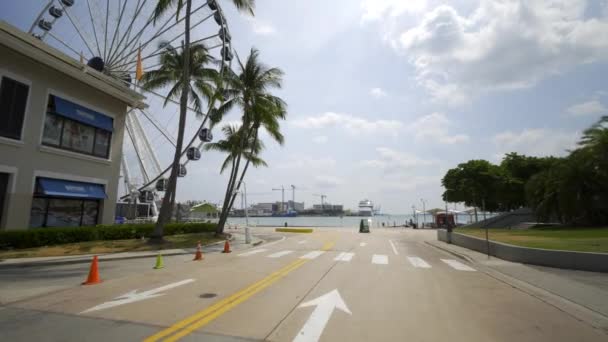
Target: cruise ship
[366, 208]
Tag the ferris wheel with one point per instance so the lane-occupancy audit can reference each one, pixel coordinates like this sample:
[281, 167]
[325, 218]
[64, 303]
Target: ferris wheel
[110, 36]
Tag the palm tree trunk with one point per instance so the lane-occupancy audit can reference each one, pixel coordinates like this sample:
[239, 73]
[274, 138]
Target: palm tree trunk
[223, 214]
[165, 209]
[228, 198]
[238, 185]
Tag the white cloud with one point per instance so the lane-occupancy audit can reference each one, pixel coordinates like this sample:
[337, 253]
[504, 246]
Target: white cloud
[308, 163]
[378, 93]
[327, 182]
[502, 44]
[353, 124]
[320, 139]
[377, 9]
[535, 142]
[392, 161]
[592, 107]
[261, 28]
[434, 127]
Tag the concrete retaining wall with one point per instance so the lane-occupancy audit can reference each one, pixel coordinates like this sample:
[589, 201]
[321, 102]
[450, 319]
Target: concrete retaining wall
[595, 262]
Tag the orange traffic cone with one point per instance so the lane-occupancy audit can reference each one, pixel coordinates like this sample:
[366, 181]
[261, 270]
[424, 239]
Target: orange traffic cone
[93, 274]
[226, 247]
[199, 253]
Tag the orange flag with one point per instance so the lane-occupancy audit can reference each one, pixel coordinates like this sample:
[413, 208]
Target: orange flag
[139, 70]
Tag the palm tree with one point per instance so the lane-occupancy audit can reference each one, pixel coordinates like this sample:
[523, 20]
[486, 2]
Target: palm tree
[162, 6]
[249, 90]
[203, 80]
[232, 145]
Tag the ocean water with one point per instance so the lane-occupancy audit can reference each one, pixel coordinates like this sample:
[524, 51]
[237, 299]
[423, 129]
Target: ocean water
[345, 221]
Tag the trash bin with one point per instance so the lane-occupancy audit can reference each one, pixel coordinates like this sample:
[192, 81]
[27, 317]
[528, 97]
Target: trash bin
[364, 225]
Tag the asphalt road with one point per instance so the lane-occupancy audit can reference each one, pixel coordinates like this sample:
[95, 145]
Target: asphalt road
[332, 285]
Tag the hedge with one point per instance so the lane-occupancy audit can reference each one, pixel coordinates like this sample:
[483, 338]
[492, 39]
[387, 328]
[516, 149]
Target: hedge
[36, 237]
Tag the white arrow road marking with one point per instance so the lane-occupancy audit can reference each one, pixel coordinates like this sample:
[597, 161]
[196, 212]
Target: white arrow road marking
[344, 256]
[418, 262]
[255, 251]
[279, 254]
[457, 265]
[380, 259]
[362, 244]
[134, 296]
[312, 255]
[325, 305]
[394, 248]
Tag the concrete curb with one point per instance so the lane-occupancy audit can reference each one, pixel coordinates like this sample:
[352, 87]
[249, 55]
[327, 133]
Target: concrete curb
[584, 261]
[447, 250]
[83, 260]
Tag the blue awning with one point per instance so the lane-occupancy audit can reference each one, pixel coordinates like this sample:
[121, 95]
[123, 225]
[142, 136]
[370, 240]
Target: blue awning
[66, 188]
[83, 114]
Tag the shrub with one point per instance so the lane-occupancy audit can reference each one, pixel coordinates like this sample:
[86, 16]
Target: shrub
[37, 237]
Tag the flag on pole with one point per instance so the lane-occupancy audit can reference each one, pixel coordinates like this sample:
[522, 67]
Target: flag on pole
[139, 71]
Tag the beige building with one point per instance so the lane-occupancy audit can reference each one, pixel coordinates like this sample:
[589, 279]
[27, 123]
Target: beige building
[61, 135]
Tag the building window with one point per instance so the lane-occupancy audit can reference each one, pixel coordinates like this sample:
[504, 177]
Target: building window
[70, 127]
[13, 100]
[61, 212]
[64, 203]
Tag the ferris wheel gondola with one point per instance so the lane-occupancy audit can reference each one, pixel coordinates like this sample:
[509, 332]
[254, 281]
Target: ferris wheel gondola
[114, 37]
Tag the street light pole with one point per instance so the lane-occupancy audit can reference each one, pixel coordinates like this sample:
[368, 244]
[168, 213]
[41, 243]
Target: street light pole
[247, 230]
[423, 212]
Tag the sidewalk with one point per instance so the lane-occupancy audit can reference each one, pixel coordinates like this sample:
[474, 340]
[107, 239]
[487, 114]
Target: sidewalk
[237, 242]
[580, 293]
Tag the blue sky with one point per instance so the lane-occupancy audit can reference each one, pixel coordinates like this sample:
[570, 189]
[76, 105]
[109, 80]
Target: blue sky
[385, 95]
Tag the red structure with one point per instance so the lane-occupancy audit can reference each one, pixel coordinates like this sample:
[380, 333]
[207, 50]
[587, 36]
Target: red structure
[440, 219]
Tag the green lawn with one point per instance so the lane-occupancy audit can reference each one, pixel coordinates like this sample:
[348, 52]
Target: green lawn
[572, 239]
[113, 246]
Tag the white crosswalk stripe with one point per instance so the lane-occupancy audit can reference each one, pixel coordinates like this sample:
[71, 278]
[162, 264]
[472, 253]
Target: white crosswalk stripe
[380, 259]
[312, 255]
[418, 262]
[457, 265]
[279, 254]
[344, 256]
[255, 251]
[303, 241]
[363, 244]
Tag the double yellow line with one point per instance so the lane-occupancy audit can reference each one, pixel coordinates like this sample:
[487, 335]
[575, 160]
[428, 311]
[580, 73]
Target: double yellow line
[202, 318]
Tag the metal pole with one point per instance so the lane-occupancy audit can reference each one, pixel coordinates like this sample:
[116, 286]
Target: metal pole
[423, 212]
[247, 230]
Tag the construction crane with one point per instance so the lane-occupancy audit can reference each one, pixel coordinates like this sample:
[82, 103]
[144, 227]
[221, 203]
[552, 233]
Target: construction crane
[323, 197]
[293, 196]
[282, 190]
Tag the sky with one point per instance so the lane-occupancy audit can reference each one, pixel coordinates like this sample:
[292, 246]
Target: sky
[384, 96]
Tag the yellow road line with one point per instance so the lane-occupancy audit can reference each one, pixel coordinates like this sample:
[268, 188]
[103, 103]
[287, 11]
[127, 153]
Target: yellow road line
[202, 318]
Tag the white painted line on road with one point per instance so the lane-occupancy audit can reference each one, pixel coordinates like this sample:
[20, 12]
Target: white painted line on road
[303, 241]
[312, 255]
[344, 256]
[255, 251]
[134, 296]
[324, 307]
[380, 259]
[457, 265]
[418, 262]
[363, 244]
[279, 254]
[394, 248]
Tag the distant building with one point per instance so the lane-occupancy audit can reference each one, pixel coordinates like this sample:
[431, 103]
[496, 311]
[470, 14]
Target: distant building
[297, 206]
